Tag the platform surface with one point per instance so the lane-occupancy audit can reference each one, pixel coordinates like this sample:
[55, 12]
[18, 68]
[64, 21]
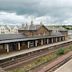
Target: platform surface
[16, 53]
[1, 70]
[67, 67]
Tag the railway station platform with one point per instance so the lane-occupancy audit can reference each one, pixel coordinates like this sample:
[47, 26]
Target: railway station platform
[1, 70]
[67, 67]
[17, 53]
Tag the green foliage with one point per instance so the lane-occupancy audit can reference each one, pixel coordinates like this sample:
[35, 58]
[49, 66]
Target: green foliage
[60, 51]
[19, 70]
[68, 27]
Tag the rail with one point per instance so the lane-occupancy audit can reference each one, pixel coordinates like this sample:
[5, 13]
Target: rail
[31, 56]
[59, 64]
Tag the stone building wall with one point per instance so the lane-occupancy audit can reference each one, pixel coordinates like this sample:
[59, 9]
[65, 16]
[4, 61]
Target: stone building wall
[40, 31]
[65, 33]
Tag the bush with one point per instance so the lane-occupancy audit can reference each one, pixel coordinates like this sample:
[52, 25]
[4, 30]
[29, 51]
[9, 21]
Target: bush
[60, 52]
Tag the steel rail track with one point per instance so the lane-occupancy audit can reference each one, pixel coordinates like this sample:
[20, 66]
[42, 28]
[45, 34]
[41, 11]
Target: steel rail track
[25, 58]
[59, 64]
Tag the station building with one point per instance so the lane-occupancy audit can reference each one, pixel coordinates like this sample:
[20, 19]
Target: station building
[30, 37]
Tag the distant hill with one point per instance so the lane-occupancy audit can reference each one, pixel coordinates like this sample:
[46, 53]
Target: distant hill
[68, 27]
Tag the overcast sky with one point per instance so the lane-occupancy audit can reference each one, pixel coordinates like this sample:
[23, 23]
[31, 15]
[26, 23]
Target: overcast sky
[47, 11]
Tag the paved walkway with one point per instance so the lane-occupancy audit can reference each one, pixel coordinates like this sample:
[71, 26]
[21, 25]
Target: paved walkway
[12, 54]
[1, 70]
[66, 67]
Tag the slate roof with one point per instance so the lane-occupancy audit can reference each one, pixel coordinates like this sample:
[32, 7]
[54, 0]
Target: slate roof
[35, 27]
[62, 29]
[56, 28]
[56, 33]
[8, 27]
[30, 27]
[11, 36]
[51, 28]
[8, 38]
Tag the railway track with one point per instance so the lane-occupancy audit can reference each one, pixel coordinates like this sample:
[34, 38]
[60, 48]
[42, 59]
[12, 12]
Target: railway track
[52, 69]
[55, 64]
[6, 64]
[21, 60]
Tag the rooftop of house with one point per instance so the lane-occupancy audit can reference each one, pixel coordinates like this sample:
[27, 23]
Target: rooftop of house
[30, 27]
[35, 27]
[9, 26]
[56, 33]
[56, 28]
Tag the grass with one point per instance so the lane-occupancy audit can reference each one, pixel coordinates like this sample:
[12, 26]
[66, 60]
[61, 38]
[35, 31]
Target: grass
[44, 59]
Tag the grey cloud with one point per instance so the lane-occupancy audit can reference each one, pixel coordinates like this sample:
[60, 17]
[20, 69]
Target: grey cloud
[58, 10]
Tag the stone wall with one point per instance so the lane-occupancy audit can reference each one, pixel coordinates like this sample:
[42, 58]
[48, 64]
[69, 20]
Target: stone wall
[40, 31]
[65, 33]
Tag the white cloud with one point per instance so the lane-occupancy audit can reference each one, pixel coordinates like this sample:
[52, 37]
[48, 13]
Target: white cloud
[47, 11]
[6, 17]
[68, 21]
[13, 18]
[44, 19]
